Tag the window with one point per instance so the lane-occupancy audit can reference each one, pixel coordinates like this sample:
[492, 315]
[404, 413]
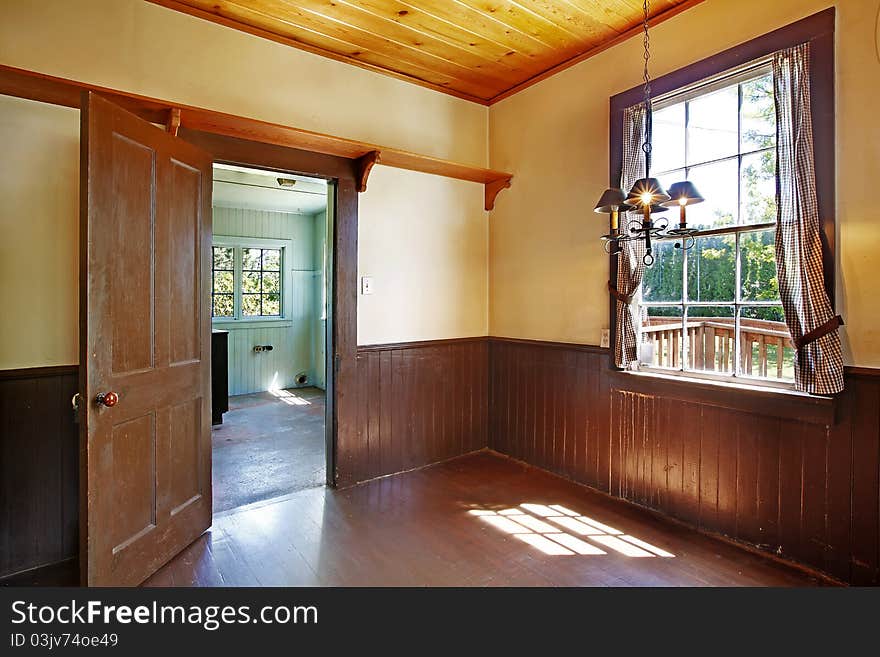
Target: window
[223, 288]
[247, 279]
[261, 283]
[714, 309]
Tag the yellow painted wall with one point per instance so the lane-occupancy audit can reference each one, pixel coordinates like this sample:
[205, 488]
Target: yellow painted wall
[142, 48]
[546, 269]
[39, 231]
[548, 272]
[413, 222]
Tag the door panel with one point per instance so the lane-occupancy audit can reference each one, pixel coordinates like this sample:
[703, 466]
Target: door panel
[129, 274]
[184, 243]
[146, 459]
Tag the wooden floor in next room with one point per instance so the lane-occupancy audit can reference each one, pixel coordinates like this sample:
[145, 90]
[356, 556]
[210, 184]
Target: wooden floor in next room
[478, 520]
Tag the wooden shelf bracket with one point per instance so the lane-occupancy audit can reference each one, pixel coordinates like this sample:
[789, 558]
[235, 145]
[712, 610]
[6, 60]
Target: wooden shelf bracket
[363, 166]
[493, 188]
[172, 125]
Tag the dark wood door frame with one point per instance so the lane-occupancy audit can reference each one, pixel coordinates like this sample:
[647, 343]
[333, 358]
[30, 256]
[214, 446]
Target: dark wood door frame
[341, 349]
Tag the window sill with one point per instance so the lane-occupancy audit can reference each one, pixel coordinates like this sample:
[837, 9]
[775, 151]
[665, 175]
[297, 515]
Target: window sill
[231, 325]
[760, 400]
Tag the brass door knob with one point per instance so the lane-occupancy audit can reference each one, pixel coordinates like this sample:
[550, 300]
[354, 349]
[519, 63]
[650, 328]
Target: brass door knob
[108, 399]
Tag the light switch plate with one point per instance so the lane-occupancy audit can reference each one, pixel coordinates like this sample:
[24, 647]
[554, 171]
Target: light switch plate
[606, 338]
[366, 284]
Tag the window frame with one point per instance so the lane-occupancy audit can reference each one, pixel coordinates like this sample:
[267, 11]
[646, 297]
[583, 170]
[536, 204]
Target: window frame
[726, 80]
[818, 30]
[239, 244]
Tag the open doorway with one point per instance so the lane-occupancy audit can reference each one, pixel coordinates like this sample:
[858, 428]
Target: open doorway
[269, 300]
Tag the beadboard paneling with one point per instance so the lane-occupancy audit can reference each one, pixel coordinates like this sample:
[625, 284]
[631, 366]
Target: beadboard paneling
[418, 403]
[319, 325]
[294, 345]
[796, 487]
[39, 468]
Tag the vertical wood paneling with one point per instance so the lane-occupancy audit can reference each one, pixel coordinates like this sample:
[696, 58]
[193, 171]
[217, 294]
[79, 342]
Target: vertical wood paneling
[806, 491]
[418, 404]
[769, 480]
[865, 486]
[39, 468]
[297, 347]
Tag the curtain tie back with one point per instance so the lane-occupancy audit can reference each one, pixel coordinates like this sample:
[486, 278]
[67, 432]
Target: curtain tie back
[623, 298]
[818, 332]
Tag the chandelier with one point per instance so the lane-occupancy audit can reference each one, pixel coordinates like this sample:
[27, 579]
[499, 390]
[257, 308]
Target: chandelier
[647, 197]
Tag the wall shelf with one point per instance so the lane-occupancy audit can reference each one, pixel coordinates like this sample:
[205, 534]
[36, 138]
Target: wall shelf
[61, 91]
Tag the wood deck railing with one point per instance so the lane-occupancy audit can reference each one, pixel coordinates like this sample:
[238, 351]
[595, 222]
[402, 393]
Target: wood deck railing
[763, 350]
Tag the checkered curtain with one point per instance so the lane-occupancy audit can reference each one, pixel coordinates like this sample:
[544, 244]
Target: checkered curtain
[630, 267]
[818, 364]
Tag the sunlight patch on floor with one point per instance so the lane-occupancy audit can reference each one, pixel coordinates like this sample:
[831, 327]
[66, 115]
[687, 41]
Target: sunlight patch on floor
[541, 526]
[290, 398]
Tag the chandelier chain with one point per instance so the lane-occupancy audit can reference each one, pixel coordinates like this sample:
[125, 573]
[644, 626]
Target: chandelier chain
[646, 146]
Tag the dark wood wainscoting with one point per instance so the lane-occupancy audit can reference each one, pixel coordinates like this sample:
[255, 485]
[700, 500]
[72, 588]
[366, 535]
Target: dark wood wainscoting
[803, 486]
[39, 489]
[419, 403]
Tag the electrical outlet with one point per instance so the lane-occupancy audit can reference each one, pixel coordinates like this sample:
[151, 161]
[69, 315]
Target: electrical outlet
[366, 284]
[606, 338]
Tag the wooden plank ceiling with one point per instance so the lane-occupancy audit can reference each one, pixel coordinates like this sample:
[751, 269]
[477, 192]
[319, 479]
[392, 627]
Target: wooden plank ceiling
[481, 50]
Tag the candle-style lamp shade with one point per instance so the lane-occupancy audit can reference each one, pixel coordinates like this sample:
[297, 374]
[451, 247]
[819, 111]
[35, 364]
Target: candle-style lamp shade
[612, 202]
[646, 191]
[682, 194]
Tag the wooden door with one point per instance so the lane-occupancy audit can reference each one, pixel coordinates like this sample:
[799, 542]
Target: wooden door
[145, 345]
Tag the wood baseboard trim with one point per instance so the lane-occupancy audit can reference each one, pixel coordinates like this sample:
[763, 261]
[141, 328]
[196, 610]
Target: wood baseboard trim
[13, 579]
[416, 469]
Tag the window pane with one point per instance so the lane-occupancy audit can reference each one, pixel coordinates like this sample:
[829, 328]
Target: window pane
[251, 259]
[666, 179]
[758, 114]
[758, 183]
[719, 185]
[711, 339]
[765, 344]
[250, 305]
[271, 282]
[223, 305]
[661, 336]
[271, 259]
[250, 281]
[668, 139]
[223, 282]
[271, 304]
[713, 122]
[712, 269]
[662, 281]
[757, 257]
[222, 257]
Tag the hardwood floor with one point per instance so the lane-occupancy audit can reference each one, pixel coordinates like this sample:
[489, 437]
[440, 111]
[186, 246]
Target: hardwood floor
[461, 523]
